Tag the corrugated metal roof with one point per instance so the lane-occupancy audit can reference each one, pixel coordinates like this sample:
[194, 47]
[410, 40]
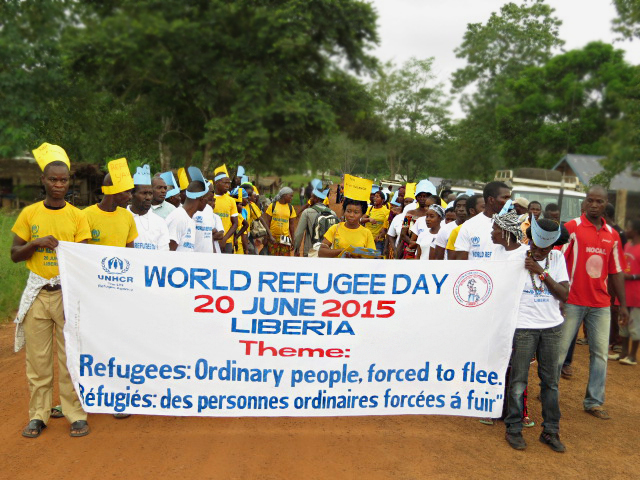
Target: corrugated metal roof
[588, 166]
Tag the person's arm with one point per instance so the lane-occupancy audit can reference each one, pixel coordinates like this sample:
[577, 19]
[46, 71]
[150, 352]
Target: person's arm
[461, 255]
[432, 253]
[617, 280]
[173, 245]
[404, 235]
[327, 252]
[245, 226]
[232, 229]
[418, 252]
[560, 291]
[439, 253]
[381, 236]
[129, 245]
[301, 230]
[291, 230]
[22, 250]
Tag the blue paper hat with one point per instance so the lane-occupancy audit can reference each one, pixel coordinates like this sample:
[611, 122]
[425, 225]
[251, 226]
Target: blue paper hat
[321, 194]
[142, 176]
[507, 206]
[394, 200]
[541, 238]
[450, 205]
[316, 183]
[425, 186]
[172, 185]
[196, 176]
[240, 171]
[374, 188]
[244, 179]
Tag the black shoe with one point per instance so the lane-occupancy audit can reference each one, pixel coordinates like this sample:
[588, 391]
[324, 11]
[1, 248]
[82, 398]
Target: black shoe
[516, 441]
[553, 440]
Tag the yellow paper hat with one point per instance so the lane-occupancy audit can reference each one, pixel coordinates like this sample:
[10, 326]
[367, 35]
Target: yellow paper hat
[410, 190]
[182, 179]
[357, 188]
[47, 153]
[120, 176]
[221, 172]
[443, 204]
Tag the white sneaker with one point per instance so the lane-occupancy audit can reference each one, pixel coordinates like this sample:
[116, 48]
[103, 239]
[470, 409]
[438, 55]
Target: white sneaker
[614, 356]
[628, 361]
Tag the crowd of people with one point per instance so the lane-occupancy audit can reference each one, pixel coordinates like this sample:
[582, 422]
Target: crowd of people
[582, 272]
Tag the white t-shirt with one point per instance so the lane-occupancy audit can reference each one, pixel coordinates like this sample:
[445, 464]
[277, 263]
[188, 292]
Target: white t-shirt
[538, 309]
[475, 238]
[419, 226]
[153, 233]
[395, 227]
[427, 241]
[182, 230]
[443, 236]
[205, 225]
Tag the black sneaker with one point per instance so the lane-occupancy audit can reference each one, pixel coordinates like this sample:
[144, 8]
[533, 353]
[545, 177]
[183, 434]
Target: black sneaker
[516, 441]
[553, 440]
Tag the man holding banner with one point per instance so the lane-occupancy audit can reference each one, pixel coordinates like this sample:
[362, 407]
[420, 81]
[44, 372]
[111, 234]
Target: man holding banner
[37, 231]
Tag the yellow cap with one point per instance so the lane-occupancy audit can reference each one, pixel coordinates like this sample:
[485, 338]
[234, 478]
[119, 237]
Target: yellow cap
[443, 204]
[255, 189]
[357, 188]
[120, 176]
[182, 179]
[410, 190]
[47, 153]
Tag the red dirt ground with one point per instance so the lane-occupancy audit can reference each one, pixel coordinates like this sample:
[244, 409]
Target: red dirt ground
[394, 447]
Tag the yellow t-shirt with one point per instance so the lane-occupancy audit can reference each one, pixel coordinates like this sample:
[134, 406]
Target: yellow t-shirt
[68, 224]
[341, 237]
[114, 229]
[280, 218]
[253, 213]
[226, 208]
[452, 238]
[380, 215]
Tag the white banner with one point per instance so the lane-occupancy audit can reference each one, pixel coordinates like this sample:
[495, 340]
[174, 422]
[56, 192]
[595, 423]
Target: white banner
[170, 333]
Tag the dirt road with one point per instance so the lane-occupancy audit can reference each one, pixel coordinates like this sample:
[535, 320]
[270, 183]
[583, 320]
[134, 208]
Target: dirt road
[399, 447]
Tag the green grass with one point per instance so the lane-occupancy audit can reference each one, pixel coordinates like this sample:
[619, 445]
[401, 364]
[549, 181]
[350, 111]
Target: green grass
[13, 276]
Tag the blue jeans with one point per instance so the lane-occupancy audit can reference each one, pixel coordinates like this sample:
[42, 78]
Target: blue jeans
[526, 342]
[597, 320]
[380, 247]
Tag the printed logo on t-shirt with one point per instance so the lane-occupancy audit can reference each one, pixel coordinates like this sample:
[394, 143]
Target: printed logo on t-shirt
[34, 230]
[95, 235]
[475, 241]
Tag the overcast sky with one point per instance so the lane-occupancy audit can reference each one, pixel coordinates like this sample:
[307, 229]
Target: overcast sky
[434, 28]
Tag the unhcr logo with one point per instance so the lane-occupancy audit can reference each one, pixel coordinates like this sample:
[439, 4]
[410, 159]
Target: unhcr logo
[115, 265]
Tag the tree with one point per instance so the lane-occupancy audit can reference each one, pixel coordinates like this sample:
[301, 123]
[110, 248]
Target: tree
[569, 105]
[414, 109]
[239, 81]
[29, 69]
[520, 36]
[628, 22]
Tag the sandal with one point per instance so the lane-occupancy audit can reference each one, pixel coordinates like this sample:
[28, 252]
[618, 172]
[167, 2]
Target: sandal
[527, 422]
[56, 412]
[33, 429]
[487, 421]
[121, 415]
[79, 428]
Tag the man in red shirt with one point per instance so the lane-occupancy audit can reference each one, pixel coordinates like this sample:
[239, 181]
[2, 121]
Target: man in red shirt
[632, 289]
[594, 256]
